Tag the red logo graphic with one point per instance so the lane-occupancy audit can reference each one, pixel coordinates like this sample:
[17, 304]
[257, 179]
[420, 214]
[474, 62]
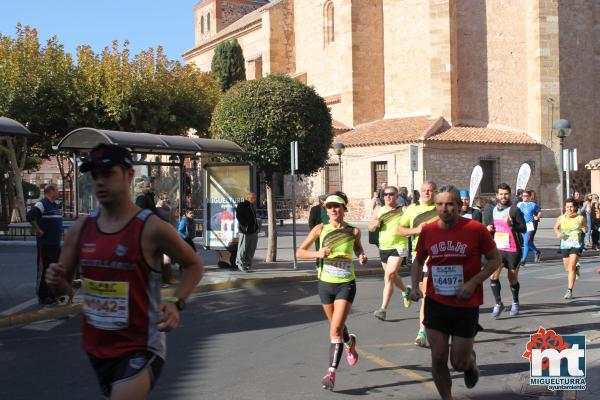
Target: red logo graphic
[543, 340]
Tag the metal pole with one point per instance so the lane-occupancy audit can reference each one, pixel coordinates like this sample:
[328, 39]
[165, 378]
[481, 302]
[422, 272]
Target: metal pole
[182, 189]
[75, 193]
[562, 167]
[567, 173]
[340, 172]
[412, 182]
[294, 163]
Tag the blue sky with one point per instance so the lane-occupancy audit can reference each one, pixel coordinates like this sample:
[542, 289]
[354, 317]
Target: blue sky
[98, 22]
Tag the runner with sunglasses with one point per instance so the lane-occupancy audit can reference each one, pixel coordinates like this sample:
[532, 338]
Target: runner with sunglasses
[337, 284]
[393, 248]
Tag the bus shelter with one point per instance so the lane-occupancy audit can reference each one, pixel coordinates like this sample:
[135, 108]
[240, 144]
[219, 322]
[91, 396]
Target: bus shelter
[150, 153]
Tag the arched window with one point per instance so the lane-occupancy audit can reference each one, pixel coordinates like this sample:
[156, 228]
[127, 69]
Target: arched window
[208, 22]
[202, 24]
[328, 25]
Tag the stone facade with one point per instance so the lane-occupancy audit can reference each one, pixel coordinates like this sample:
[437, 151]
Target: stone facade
[511, 65]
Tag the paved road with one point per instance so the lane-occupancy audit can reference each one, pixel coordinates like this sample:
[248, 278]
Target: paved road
[271, 341]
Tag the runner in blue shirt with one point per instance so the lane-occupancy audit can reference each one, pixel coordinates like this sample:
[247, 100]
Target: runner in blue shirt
[532, 213]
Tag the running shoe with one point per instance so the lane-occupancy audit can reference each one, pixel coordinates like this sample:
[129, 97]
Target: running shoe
[406, 297]
[577, 273]
[472, 375]
[328, 380]
[380, 314]
[351, 354]
[498, 308]
[569, 294]
[522, 264]
[63, 300]
[537, 257]
[421, 339]
[514, 309]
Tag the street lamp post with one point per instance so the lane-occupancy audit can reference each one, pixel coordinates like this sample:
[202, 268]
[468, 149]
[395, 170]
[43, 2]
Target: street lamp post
[339, 148]
[563, 129]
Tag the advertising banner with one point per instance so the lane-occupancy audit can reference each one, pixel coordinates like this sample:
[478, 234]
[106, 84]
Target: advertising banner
[523, 176]
[226, 185]
[476, 176]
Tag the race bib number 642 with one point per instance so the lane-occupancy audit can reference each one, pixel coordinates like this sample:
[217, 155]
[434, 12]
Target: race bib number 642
[106, 304]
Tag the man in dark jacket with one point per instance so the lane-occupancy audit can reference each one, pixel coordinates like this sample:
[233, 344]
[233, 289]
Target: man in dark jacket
[248, 227]
[47, 221]
[146, 199]
[506, 222]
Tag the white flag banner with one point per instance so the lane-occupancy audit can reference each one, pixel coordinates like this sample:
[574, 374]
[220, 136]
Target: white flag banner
[476, 176]
[523, 176]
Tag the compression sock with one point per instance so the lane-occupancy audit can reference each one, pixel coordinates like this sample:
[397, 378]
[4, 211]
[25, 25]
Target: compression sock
[335, 353]
[515, 292]
[346, 337]
[495, 285]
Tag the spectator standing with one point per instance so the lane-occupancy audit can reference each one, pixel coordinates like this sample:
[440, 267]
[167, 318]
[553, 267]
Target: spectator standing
[163, 210]
[187, 228]
[146, 199]
[46, 218]
[586, 212]
[375, 202]
[403, 200]
[380, 193]
[248, 226]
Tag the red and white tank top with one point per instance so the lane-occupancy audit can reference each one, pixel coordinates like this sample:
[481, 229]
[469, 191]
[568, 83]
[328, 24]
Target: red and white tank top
[121, 291]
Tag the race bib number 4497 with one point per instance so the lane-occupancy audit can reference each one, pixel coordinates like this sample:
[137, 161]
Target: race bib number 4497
[106, 304]
[447, 279]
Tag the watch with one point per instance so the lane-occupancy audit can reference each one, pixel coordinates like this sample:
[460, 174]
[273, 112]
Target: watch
[179, 303]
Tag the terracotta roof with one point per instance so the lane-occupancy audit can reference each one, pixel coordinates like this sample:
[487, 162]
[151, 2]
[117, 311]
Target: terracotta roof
[338, 127]
[388, 131]
[593, 164]
[471, 134]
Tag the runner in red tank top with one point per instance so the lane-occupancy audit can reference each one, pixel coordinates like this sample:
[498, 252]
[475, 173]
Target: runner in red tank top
[119, 248]
[453, 247]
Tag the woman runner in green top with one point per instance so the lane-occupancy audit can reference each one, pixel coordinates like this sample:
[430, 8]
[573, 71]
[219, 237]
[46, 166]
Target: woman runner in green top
[337, 286]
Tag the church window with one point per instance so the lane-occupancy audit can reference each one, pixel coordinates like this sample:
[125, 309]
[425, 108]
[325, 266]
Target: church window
[202, 24]
[208, 22]
[328, 24]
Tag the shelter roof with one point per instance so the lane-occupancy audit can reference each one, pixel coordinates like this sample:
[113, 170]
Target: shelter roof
[10, 127]
[84, 139]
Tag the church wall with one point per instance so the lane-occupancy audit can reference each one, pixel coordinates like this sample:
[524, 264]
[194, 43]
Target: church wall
[328, 67]
[406, 60]
[278, 36]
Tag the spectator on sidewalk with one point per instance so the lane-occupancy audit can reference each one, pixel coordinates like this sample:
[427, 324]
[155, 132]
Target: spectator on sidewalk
[163, 210]
[47, 221]
[248, 227]
[187, 228]
[146, 199]
[403, 200]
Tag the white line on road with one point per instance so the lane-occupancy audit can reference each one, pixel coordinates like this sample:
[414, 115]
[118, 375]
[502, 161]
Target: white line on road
[19, 307]
[44, 326]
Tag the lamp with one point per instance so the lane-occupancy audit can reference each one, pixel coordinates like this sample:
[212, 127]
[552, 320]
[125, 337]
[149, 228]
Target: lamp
[563, 129]
[338, 148]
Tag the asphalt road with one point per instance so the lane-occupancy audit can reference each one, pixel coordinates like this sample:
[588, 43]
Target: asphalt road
[271, 342]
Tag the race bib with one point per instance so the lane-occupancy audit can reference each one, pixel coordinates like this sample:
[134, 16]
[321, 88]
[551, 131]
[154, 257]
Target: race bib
[339, 269]
[106, 304]
[502, 240]
[447, 279]
[530, 227]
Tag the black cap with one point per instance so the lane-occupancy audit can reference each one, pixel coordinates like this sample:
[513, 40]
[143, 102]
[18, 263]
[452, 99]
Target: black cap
[106, 156]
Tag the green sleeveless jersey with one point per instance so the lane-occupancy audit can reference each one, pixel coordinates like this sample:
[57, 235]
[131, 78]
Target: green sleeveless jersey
[389, 239]
[338, 266]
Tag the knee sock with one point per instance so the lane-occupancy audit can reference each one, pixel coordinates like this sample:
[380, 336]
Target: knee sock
[515, 292]
[346, 337]
[495, 285]
[335, 353]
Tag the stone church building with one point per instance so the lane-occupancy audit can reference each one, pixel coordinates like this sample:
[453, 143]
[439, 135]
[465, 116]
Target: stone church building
[468, 82]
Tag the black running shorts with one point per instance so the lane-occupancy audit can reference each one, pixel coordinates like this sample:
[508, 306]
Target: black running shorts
[330, 292]
[453, 321]
[510, 260]
[112, 371]
[567, 252]
[384, 255]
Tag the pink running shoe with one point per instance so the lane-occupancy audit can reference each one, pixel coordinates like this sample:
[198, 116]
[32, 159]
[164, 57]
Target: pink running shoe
[351, 354]
[328, 380]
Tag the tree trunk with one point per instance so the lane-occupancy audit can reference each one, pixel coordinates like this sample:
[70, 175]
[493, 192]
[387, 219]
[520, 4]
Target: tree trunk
[16, 168]
[271, 227]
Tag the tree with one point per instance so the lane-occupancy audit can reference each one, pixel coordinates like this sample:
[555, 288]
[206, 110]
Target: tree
[228, 64]
[264, 116]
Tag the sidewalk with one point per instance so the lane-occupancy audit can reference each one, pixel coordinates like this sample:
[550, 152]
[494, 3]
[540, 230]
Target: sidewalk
[216, 278]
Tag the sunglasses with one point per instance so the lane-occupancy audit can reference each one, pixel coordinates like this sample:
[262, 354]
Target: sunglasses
[389, 193]
[333, 205]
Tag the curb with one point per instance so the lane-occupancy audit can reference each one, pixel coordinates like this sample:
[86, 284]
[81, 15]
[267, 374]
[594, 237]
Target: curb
[63, 311]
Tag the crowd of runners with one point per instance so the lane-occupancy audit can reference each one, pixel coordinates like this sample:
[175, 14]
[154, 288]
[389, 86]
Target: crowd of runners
[453, 247]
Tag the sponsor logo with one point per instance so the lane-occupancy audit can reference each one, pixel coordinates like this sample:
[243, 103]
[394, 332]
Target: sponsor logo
[120, 250]
[556, 361]
[88, 248]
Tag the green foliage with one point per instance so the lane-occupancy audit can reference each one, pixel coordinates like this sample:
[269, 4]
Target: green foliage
[264, 116]
[30, 187]
[228, 64]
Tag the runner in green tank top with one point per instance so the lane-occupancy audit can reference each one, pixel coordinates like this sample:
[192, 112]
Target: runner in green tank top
[415, 216]
[568, 229]
[392, 248]
[337, 286]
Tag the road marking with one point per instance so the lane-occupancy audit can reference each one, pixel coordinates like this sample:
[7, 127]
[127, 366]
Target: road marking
[387, 346]
[44, 326]
[397, 369]
[19, 307]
